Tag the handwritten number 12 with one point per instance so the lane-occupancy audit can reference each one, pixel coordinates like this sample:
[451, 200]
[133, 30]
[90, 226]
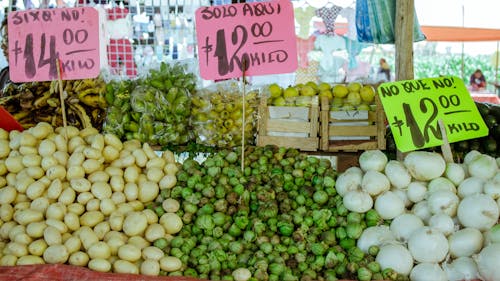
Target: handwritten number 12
[421, 137]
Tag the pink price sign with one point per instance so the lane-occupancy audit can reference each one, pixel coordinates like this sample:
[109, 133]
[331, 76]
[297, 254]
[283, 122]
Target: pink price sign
[37, 38]
[256, 38]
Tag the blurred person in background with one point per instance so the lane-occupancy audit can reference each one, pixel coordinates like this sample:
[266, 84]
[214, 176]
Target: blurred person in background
[384, 71]
[477, 80]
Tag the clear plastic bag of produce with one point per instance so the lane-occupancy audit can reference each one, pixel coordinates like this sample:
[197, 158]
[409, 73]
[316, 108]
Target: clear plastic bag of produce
[217, 114]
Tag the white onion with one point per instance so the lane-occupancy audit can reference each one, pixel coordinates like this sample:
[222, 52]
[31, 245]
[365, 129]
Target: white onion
[354, 169]
[471, 155]
[358, 201]
[441, 183]
[372, 160]
[424, 166]
[397, 174]
[443, 223]
[479, 211]
[428, 245]
[375, 236]
[375, 182]
[421, 210]
[483, 166]
[395, 256]
[428, 271]
[416, 191]
[388, 205]
[465, 242]
[348, 181]
[401, 193]
[492, 188]
[455, 173]
[461, 269]
[488, 262]
[469, 186]
[403, 226]
[443, 201]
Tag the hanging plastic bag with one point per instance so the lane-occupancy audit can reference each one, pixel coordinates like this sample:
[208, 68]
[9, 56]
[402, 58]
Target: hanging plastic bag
[375, 20]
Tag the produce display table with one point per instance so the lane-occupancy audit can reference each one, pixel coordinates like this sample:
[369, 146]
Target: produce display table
[485, 97]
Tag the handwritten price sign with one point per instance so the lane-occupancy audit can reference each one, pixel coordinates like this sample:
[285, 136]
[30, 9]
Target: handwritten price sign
[257, 38]
[37, 38]
[413, 108]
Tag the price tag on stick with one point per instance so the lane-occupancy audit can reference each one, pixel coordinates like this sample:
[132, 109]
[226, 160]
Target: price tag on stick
[261, 34]
[415, 107]
[37, 38]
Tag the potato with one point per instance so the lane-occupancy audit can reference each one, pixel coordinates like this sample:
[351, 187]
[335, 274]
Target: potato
[6, 212]
[37, 247]
[59, 225]
[132, 145]
[168, 182]
[150, 215]
[99, 250]
[3, 168]
[6, 228]
[68, 131]
[14, 164]
[76, 208]
[26, 150]
[114, 244]
[131, 191]
[92, 165]
[93, 204]
[78, 258]
[152, 253]
[131, 174]
[91, 153]
[87, 132]
[3, 181]
[88, 237]
[100, 265]
[7, 194]
[4, 148]
[36, 229]
[129, 252]
[48, 161]
[27, 139]
[75, 172]
[154, 232]
[23, 238]
[97, 142]
[110, 154]
[74, 143]
[23, 183]
[154, 174]
[11, 179]
[55, 211]
[170, 205]
[15, 139]
[35, 190]
[61, 143]
[67, 196]
[40, 204]
[28, 260]
[32, 160]
[170, 264]
[150, 267]
[150, 153]
[35, 172]
[62, 157]
[27, 216]
[127, 161]
[157, 163]
[113, 140]
[76, 159]
[101, 190]
[117, 183]
[16, 230]
[140, 158]
[8, 260]
[56, 254]
[113, 171]
[169, 156]
[91, 218]
[72, 221]
[46, 182]
[139, 242]
[84, 197]
[101, 229]
[73, 244]
[123, 266]
[52, 236]
[135, 223]
[107, 206]
[98, 176]
[80, 185]
[148, 191]
[16, 249]
[116, 220]
[46, 148]
[118, 197]
[56, 172]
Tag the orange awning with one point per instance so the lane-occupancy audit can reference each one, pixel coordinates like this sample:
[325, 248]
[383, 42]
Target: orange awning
[460, 34]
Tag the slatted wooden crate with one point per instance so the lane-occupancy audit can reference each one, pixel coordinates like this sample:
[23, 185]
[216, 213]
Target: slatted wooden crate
[351, 131]
[286, 126]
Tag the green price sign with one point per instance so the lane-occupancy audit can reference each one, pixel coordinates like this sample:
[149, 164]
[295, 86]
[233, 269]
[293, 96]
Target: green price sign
[414, 108]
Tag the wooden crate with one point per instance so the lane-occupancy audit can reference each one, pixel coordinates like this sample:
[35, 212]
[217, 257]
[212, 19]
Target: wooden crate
[352, 134]
[293, 127]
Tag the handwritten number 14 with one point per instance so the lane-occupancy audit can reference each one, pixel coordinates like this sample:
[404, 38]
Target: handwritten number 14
[30, 67]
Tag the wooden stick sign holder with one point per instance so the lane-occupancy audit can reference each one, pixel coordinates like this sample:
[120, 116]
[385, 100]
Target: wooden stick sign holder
[62, 98]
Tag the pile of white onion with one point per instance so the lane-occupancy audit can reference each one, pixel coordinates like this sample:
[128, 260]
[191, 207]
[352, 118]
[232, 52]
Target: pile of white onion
[444, 215]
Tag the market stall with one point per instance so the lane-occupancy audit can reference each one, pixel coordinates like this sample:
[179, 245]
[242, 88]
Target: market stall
[168, 176]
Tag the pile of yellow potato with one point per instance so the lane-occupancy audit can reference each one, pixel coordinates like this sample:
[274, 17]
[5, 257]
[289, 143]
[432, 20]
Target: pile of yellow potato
[78, 197]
